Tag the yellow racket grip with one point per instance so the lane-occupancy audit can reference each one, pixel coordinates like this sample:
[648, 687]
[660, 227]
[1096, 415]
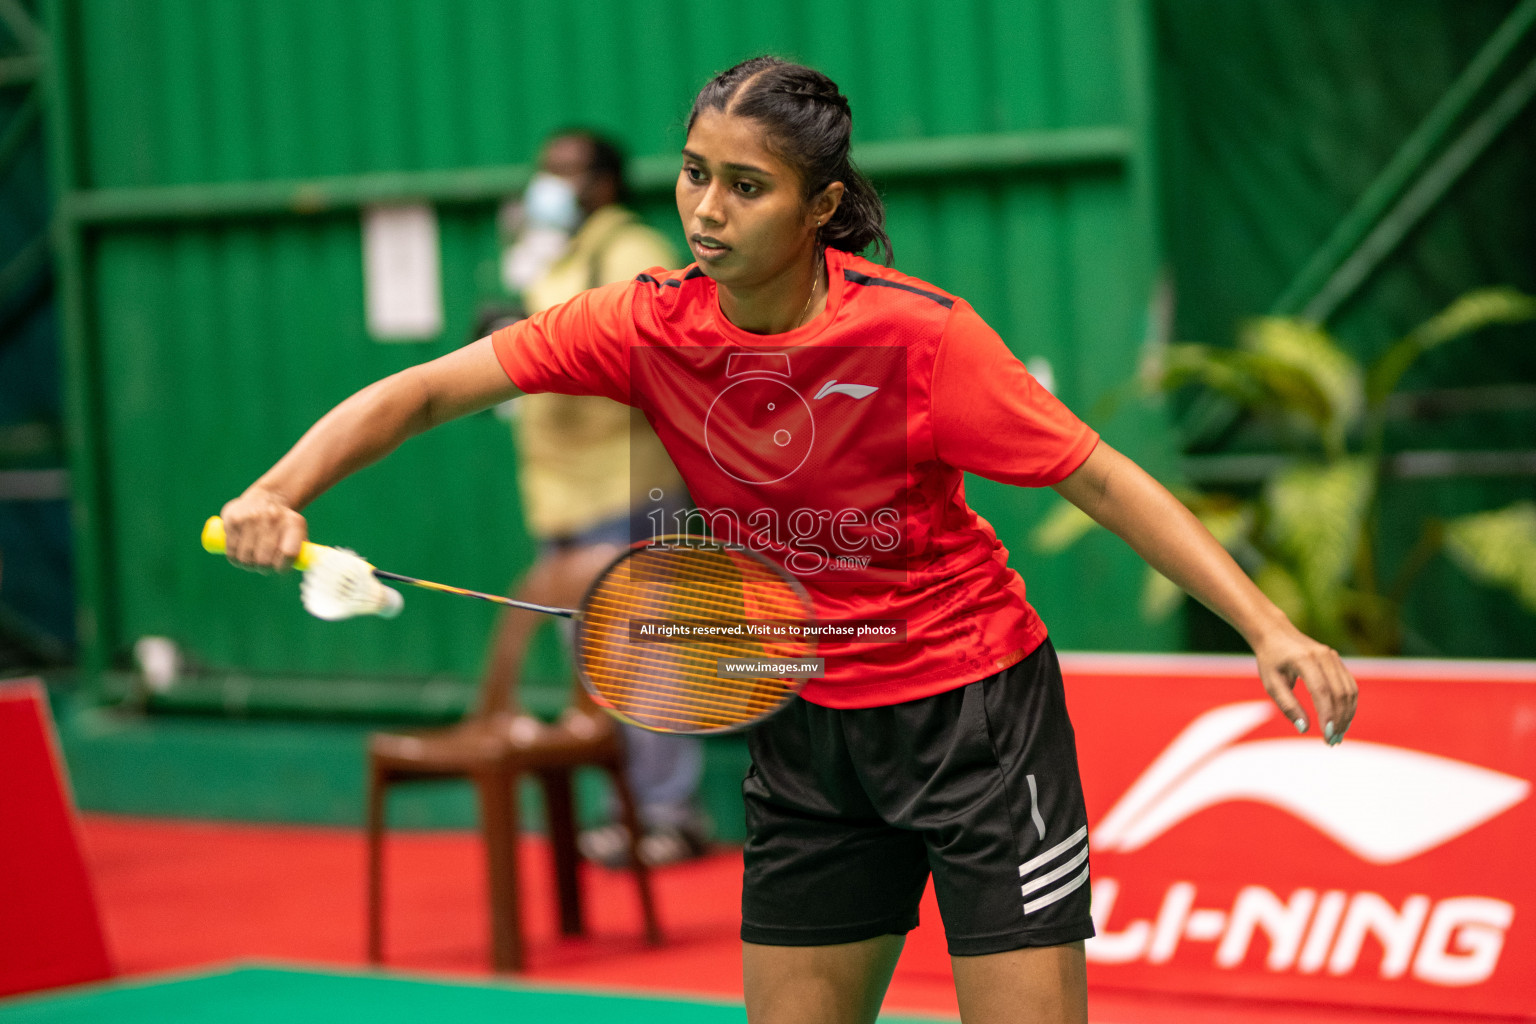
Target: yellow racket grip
[213, 543]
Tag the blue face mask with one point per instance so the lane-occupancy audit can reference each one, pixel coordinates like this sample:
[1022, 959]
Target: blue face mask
[550, 201]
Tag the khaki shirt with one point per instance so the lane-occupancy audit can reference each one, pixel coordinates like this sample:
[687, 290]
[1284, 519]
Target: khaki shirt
[585, 460]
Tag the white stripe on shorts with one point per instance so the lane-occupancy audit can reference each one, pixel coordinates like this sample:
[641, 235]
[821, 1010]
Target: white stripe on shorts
[1051, 876]
[1034, 807]
[1056, 894]
[1053, 852]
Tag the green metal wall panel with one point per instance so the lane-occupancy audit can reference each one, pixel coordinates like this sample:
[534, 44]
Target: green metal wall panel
[215, 339]
[219, 348]
[184, 91]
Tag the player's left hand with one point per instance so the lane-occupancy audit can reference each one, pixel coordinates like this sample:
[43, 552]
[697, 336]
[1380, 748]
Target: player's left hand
[1292, 656]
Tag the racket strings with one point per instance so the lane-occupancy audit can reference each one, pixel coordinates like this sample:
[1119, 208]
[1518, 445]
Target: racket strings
[650, 707]
[724, 576]
[675, 683]
[721, 590]
[638, 671]
[631, 668]
[682, 659]
[623, 603]
[719, 586]
[695, 655]
[723, 595]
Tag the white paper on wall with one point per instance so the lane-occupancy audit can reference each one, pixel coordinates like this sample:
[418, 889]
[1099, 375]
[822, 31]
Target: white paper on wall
[402, 275]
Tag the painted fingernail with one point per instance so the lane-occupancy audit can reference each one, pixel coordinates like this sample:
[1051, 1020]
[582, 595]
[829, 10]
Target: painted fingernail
[1328, 732]
[1301, 725]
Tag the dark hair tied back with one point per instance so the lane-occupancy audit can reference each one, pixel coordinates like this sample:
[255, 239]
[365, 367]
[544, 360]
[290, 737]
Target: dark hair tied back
[809, 125]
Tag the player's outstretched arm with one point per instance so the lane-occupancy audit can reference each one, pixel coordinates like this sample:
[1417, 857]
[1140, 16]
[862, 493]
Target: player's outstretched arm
[1122, 497]
[263, 527]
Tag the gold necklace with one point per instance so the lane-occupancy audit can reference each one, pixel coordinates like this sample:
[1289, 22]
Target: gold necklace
[815, 280]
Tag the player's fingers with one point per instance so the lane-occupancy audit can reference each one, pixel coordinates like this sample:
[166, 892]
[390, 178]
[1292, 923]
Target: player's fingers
[254, 541]
[237, 534]
[1333, 692]
[291, 541]
[254, 533]
[1343, 692]
[1323, 703]
[1278, 684]
[1354, 698]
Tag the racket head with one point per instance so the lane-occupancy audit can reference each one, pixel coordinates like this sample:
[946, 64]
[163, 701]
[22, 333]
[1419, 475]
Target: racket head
[673, 684]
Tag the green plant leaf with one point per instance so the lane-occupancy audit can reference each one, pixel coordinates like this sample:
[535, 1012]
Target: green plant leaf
[1373, 623]
[1281, 587]
[1253, 380]
[1482, 307]
[1316, 520]
[1215, 368]
[1306, 349]
[1498, 547]
[1062, 527]
[1473, 311]
[1227, 521]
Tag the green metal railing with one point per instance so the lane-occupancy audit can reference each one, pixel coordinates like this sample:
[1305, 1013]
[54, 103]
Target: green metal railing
[1417, 177]
[1068, 148]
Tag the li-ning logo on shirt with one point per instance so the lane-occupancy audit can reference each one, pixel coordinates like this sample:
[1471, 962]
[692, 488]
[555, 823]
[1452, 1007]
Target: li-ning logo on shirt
[832, 387]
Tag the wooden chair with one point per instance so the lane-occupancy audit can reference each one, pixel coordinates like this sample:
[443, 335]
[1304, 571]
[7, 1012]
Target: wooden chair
[493, 747]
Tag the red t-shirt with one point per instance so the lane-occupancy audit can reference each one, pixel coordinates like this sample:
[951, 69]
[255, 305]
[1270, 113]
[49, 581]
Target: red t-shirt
[838, 450]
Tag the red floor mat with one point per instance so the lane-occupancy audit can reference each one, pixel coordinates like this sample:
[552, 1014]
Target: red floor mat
[179, 894]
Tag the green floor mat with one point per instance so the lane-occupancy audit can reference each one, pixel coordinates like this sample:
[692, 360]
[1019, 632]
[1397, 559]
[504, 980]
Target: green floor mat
[266, 995]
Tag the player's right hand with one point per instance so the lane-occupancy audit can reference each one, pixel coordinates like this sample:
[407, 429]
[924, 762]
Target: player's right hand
[261, 532]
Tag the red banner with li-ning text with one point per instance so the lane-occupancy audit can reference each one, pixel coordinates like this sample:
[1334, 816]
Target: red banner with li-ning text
[1233, 857]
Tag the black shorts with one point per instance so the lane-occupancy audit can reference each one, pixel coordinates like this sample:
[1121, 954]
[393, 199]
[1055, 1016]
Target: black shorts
[849, 811]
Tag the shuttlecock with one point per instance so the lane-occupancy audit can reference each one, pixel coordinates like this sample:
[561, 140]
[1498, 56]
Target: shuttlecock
[339, 584]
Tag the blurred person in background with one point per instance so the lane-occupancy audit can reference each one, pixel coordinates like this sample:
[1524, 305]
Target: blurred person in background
[591, 471]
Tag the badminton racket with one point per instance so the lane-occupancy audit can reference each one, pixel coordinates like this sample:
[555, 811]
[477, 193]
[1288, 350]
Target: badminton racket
[679, 635]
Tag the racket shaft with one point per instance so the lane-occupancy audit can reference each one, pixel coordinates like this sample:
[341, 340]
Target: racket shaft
[511, 602]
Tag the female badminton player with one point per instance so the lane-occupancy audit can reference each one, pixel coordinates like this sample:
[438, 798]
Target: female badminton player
[824, 408]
